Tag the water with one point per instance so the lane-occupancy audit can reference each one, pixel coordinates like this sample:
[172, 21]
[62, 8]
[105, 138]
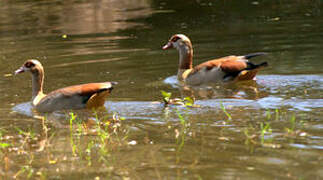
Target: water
[91, 41]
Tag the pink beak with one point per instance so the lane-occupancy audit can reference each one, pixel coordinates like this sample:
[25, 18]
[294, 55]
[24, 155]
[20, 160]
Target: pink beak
[20, 70]
[168, 45]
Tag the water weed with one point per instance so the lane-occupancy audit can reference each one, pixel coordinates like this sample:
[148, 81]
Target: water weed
[225, 111]
[186, 102]
[264, 129]
[3, 145]
[102, 132]
[180, 135]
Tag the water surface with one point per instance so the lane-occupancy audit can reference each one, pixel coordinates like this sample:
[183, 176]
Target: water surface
[92, 41]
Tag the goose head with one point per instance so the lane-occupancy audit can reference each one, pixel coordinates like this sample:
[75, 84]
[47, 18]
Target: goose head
[31, 65]
[184, 46]
[178, 41]
[37, 71]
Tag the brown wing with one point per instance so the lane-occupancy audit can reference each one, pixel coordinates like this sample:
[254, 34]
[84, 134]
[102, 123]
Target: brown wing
[75, 97]
[84, 89]
[233, 66]
[228, 64]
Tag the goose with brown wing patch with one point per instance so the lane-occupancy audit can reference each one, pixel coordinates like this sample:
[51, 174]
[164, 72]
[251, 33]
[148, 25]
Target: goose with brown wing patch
[89, 96]
[225, 69]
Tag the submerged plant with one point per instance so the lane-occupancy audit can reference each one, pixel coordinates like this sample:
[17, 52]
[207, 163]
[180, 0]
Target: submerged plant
[186, 102]
[3, 145]
[292, 124]
[249, 137]
[71, 120]
[88, 152]
[180, 135]
[292, 131]
[225, 111]
[105, 135]
[277, 114]
[26, 168]
[264, 129]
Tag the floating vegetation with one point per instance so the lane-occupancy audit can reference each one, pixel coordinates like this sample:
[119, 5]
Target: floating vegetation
[186, 102]
[225, 111]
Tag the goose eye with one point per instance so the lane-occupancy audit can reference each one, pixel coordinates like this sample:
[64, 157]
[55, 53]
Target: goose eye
[29, 65]
[175, 39]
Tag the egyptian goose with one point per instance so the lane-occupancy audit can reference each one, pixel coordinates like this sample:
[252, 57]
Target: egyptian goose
[89, 96]
[225, 69]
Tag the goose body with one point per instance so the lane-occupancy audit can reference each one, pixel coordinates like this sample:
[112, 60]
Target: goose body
[225, 69]
[91, 95]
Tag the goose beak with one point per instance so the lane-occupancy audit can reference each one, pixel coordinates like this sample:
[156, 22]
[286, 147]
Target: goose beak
[20, 70]
[168, 45]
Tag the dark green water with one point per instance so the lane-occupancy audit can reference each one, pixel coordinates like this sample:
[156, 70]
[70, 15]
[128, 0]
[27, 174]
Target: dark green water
[121, 41]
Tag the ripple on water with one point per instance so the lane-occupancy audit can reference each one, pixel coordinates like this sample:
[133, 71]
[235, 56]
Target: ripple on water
[278, 81]
[296, 92]
[153, 110]
[275, 81]
[172, 80]
[24, 108]
[303, 146]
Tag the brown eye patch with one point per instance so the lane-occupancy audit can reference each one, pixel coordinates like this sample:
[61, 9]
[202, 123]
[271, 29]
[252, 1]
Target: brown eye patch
[174, 39]
[29, 64]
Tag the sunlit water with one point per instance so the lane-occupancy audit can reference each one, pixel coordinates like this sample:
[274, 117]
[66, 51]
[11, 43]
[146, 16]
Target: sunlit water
[80, 42]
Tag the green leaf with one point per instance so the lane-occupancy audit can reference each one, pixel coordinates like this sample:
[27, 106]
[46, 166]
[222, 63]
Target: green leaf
[188, 101]
[122, 118]
[166, 94]
[4, 145]
[225, 111]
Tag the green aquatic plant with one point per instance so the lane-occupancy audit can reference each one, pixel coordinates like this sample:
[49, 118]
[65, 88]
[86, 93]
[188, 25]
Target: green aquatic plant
[186, 102]
[3, 145]
[252, 132]
[88, 152]
[264, 129]
[26, 168]
[181, 118]
[166, 96]
[292, 131]
[71, 120]
[249, 137]
[277, 114]
[292, 122]
[30, 134]
[225, 111]
[105, 135]
[180, 135]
